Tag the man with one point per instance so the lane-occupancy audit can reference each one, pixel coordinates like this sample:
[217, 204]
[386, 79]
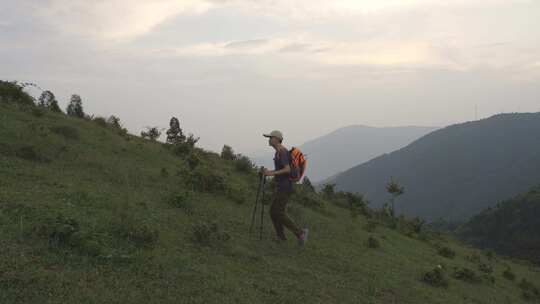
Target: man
[283, 190]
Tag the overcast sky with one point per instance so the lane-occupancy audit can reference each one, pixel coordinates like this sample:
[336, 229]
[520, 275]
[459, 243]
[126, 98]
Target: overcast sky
[232, 69]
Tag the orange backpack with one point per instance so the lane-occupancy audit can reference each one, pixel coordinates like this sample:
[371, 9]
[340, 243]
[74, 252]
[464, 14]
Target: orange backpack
[298, 164]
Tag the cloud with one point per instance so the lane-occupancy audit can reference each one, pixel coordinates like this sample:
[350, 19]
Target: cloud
[113, 19]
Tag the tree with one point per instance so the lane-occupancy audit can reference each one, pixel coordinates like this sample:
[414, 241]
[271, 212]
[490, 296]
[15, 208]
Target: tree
[307, 185]
[175, 134]
[357, 204]
[48, 101]
[114, 122]
[192, 140]
[395, 189]
[329, 191]
[227, 153]
[75, 107]
[152, 133]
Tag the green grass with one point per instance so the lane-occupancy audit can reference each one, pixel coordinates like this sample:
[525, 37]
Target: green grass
[132, 245]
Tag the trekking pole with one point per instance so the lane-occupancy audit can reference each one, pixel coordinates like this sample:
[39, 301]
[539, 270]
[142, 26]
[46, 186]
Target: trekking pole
[256, 201]
[262, 208]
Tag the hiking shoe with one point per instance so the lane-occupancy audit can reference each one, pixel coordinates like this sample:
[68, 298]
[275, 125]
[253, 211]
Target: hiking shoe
[302, 239]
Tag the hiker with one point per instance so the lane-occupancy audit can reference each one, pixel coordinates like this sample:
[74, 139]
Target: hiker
[283, 190]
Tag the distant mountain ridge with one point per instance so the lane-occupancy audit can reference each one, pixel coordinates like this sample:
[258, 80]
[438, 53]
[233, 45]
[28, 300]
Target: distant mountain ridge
[349, 146]
[457, 171]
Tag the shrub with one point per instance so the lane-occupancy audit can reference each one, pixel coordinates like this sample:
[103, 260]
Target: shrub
[151, 133]
[466, 275]
[66, 131]
[208, 234]
[446, 252]
[193, 160]
[237, 194]
[486, 268]
[38, 112]
[307, 185]
[307, 199]
[57, 230]
[529, 291]
[436, 277]
[227, 153]
[85, 244]
[357, 204]
[164, 173]
[29, 153]
[204, 180]
[490, 255]
[509, 274]
[140, 234]
[417, 224]
[370, 225]
[191, 140]
[473, 257]
[243, 164]
[12, 92]
[373, 242]
[181, 200]
[182, 149]
[101, 121]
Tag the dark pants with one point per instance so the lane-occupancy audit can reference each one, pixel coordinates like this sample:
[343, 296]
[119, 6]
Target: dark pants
[279, 216]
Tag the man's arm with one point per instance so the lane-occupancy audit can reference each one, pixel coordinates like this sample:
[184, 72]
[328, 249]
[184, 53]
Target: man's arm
[285, 170]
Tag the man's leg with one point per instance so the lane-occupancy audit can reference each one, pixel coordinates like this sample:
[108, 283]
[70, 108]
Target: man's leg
[279, 216]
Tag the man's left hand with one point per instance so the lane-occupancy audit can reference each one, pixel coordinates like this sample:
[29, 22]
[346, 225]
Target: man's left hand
[267, 172]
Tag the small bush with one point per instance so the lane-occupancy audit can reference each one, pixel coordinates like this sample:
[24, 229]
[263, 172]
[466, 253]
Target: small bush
[466, 275]
[473, 257]
[164, 173]
[243, 164]
[227, 153]
[489, 278]
[182, 149]
[66, 131]
[373, 242]
[370, 226]
[29, 153]
[57, 230]
[85, 244]
[307, 199]
[181, 200]
[193, 160]
[485, 268]
[490, 255]
[38, 112]
[436, 278]
[446, 252]
[509, 274]
[237, 194]
[142, 235]
[204, 180]
[529, 291]
[100, 121]
[205, 234]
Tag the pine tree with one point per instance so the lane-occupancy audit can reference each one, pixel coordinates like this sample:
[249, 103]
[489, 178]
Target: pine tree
[175, 134]
[75, 107]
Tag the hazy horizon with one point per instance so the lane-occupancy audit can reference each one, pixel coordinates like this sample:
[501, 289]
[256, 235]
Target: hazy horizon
[231, 70]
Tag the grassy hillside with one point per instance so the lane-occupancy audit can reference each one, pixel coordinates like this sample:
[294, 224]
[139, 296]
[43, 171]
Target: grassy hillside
[458, 171]
[511, 227]
[89, 214]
